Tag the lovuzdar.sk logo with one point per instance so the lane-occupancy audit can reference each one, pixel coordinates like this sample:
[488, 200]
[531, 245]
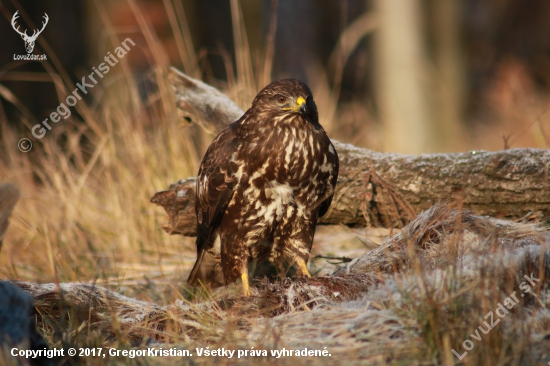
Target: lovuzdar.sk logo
[29, 40]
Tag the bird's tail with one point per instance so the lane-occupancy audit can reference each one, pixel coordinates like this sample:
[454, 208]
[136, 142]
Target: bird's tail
[207, 271]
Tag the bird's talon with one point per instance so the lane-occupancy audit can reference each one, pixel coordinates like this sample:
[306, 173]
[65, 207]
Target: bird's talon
[246, 286]
[303, 267]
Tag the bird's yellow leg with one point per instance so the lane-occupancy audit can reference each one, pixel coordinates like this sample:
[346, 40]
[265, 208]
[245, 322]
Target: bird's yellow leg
[246, 286]
[302, 266]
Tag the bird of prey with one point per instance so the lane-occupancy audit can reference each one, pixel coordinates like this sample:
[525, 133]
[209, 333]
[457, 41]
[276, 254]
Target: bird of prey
[262, 184]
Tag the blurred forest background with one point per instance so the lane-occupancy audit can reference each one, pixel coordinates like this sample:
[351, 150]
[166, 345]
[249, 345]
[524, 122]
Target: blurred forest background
[408, 76]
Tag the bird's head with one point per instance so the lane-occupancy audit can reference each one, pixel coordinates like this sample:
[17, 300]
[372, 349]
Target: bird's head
[287, 98]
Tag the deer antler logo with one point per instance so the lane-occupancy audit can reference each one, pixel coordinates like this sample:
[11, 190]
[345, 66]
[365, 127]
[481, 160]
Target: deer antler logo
[29, 41]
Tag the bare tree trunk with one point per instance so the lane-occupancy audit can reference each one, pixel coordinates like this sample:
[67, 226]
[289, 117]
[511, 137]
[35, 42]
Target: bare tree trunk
[450, 76]
[402, 77]
[379, 189]
[9, 195]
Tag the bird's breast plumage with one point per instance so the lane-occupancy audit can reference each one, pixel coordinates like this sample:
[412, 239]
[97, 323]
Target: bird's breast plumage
[282, 173]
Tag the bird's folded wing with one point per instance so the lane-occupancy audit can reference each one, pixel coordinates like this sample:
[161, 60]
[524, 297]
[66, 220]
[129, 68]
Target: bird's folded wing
[215, 186]
[323, 207]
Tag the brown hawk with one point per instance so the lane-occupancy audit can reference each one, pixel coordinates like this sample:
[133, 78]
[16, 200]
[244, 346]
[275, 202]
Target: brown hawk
[262, 185]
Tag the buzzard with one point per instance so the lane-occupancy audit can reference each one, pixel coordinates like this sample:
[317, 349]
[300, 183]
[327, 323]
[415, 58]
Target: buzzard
[262, 184]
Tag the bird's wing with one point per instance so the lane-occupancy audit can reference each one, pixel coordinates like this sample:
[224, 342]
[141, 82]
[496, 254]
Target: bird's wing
[323, 208]
[215, 186]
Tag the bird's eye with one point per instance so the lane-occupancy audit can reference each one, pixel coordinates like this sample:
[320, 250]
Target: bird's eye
[281, 99]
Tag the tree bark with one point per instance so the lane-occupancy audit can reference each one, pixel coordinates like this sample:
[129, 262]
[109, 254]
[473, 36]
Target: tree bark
[383, 189]
[9, 195]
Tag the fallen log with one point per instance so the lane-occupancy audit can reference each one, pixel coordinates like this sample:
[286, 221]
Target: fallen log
[382, 189]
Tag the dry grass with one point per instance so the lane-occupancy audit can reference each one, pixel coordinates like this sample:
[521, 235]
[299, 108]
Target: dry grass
[84, 216]
[84, 213]
[446, 278]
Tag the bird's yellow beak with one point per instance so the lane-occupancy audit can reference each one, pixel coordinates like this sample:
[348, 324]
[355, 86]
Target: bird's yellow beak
[299, 107]
[300, 104]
